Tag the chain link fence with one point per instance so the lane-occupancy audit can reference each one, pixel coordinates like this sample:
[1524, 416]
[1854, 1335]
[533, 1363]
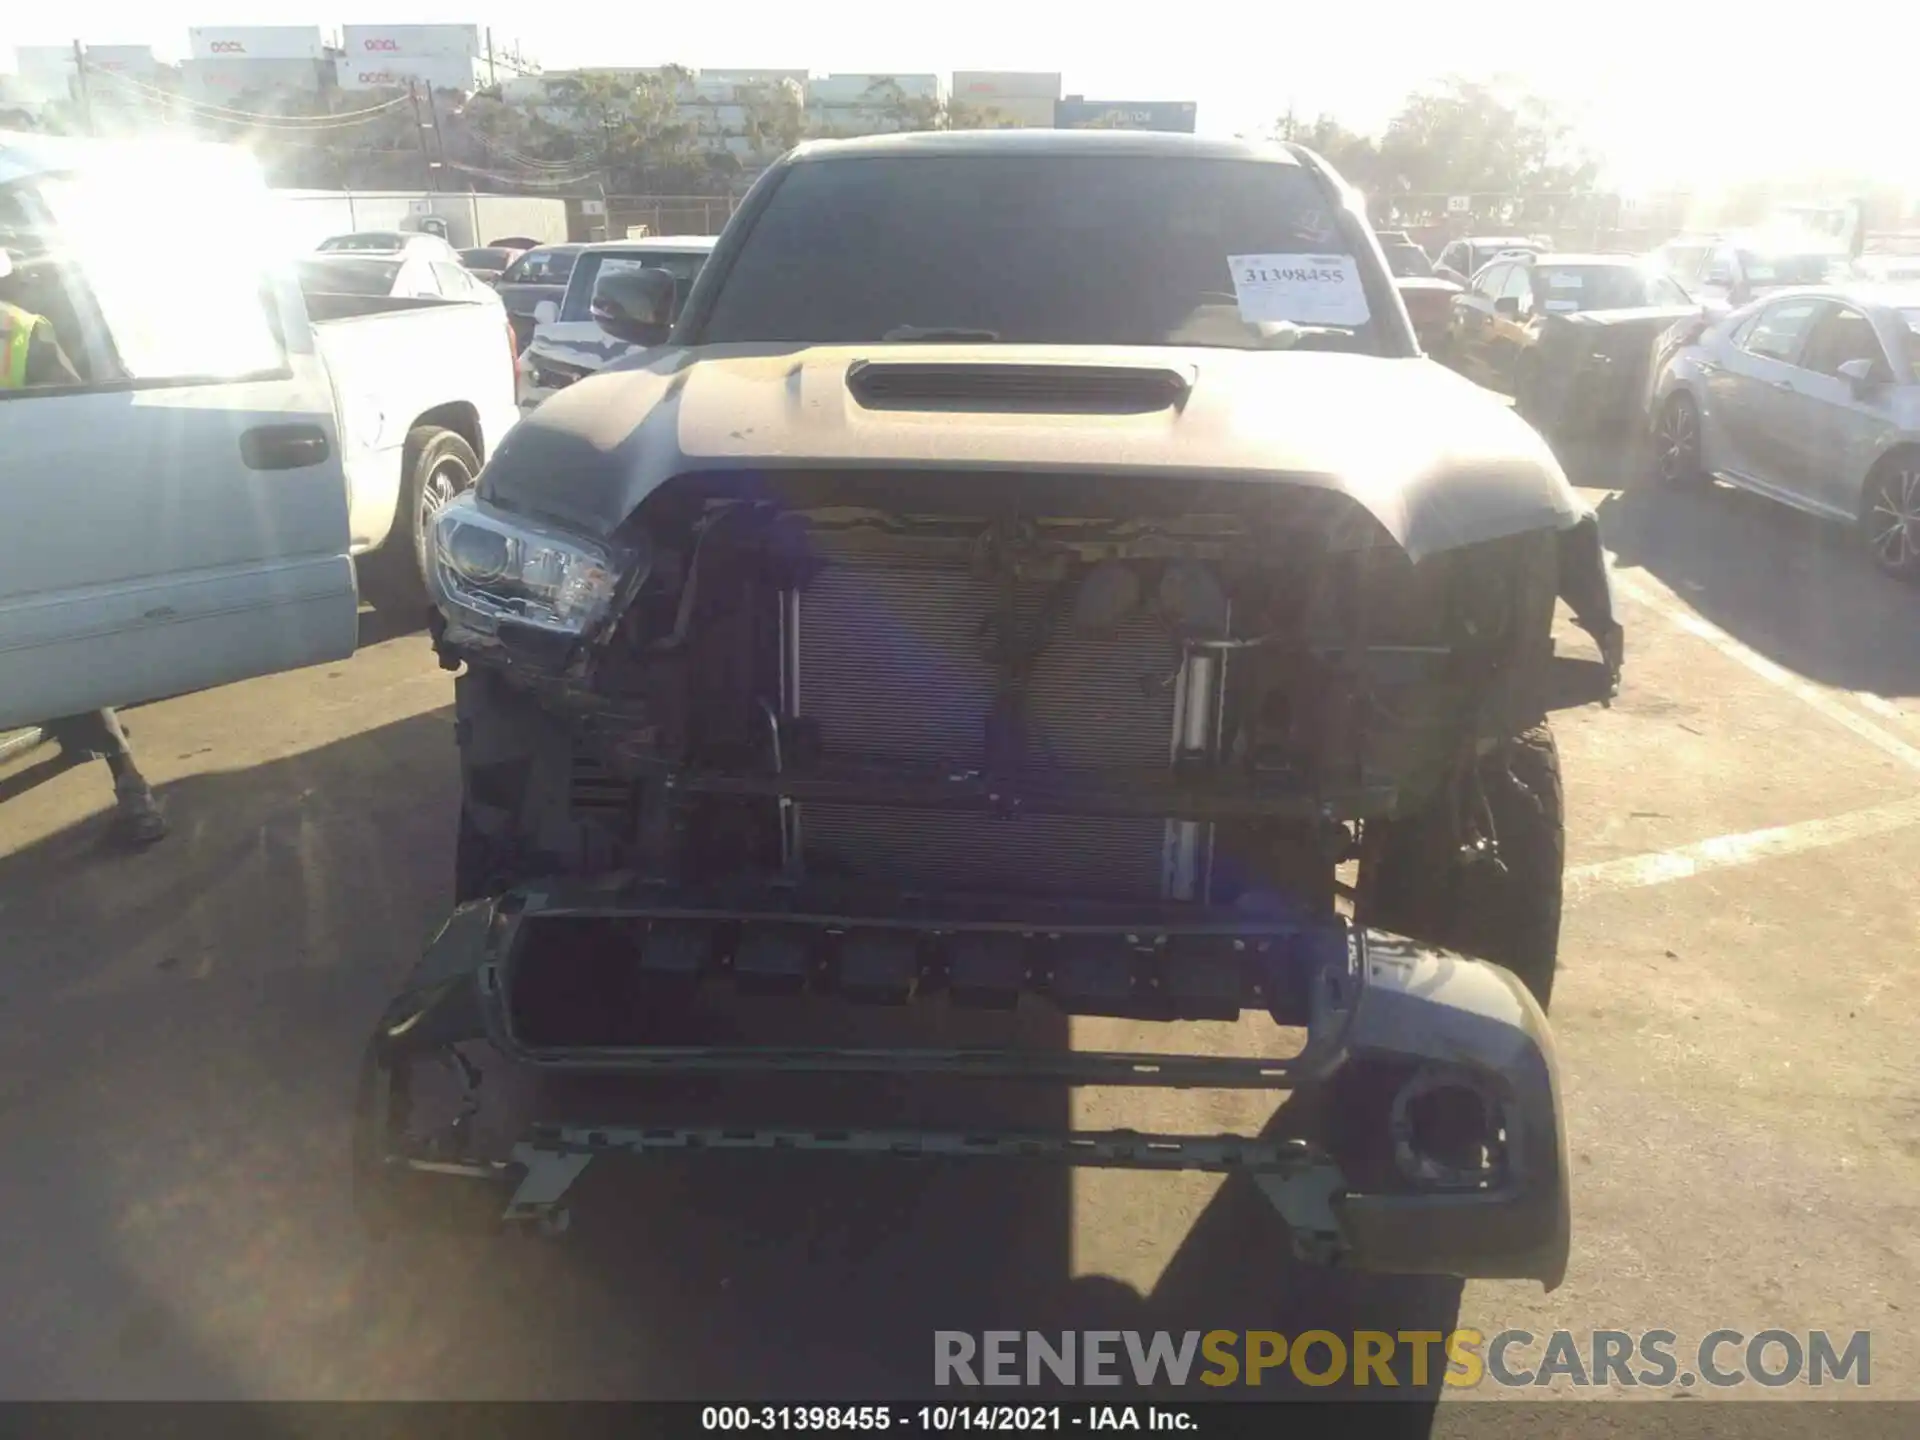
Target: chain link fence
[631, 216]
[1572, 221]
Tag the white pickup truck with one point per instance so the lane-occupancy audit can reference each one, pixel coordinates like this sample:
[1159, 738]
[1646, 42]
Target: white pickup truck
[185, 483]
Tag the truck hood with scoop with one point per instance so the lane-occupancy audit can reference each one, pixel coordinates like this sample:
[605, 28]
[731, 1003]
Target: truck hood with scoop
[1439, 462]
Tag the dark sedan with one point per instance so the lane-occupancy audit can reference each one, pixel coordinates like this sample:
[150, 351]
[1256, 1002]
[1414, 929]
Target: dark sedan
[489, 262]
[1570, 337]
[539, 275]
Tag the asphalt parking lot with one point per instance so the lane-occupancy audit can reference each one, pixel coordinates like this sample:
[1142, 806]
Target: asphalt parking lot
[1734, 1013]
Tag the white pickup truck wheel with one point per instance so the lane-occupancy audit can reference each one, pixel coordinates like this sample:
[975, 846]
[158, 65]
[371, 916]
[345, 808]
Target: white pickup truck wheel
[439, 464]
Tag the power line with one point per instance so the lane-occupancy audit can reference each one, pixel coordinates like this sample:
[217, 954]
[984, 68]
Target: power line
[208, 110]
[514, 157]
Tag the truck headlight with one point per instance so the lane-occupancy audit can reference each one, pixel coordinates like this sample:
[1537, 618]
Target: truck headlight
[486, 566]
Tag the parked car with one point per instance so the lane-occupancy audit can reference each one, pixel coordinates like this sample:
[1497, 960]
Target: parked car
[388, 242]
[866, 640]
[1460, 260]
[1889, 269]
[567, 341]
[415, 276]
[1736, 271]
[1570, 337]
[1405, 260]
[1426, 296]
[1685, 256]
[189, 513]
[489, 262]
[539, 274]
[1810, 397]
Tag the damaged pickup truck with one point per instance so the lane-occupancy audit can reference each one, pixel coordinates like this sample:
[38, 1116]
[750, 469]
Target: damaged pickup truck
[1035, 569]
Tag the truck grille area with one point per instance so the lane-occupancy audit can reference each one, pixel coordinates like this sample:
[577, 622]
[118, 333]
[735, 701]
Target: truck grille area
[890, 660]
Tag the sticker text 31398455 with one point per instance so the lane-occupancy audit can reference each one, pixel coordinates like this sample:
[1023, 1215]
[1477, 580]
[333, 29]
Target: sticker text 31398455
[1302, 289]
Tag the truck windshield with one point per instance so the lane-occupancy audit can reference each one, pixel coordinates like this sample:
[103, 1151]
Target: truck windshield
[1569, 288]
[1817, 269]
[586, 274]
[1407, 262]
[348, 277]
[1042, 249]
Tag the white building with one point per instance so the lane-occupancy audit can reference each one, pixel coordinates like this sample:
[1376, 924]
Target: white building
[870, 104]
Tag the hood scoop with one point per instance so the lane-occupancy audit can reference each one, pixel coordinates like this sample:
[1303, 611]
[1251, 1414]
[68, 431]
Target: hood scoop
[1016, 388]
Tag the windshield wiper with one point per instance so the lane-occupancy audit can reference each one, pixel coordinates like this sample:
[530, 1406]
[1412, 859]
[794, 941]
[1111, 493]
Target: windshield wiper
[1285, 334]
[938, 332]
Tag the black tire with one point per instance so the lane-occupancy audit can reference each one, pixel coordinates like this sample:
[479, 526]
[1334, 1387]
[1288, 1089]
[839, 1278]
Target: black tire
[1890, 515]
[1676, 444]
[1510, 913]
[437, 464]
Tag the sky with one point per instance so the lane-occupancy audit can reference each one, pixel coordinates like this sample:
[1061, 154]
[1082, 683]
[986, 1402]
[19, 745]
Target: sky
[1670, 94]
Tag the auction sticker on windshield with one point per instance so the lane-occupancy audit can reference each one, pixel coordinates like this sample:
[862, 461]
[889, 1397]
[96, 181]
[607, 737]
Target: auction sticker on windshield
[1301, 289]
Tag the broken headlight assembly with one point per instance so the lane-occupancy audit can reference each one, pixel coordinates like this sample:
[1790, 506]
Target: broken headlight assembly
[487, 566]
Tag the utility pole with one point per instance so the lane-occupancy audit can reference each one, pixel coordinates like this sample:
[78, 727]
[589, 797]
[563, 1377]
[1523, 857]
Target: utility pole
[606, 158]
[86, 99]
[492, 79]
[420, 126]
[439, 133]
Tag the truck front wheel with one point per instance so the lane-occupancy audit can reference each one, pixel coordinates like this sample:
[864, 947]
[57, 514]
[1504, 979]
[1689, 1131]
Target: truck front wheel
[1505, 907]
[438, 465]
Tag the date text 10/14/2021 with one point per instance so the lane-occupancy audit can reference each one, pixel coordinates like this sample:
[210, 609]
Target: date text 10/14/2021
[943, 1419]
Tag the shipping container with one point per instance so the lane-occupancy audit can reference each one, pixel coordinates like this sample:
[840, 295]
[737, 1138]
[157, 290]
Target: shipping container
[386, 42]
[44, 60]
[310, 216]
[256, 42]
[50, 60]
[225, 80]
[975, 87]
[133, 60]
[396, 72]
[1076, 113]
[1005, 111]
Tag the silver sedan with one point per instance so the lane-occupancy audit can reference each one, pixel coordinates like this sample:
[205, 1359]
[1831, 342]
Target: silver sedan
[1810, 397]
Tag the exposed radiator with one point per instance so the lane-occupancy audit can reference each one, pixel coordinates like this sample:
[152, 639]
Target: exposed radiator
[889, 661]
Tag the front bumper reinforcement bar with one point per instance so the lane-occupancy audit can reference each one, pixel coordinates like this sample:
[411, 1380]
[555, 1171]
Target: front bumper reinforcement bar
[1392, 1026]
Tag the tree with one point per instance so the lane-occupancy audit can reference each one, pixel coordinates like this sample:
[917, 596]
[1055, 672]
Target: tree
[628, 128]
[1355, 156]
[1473, 138]
[776, 117]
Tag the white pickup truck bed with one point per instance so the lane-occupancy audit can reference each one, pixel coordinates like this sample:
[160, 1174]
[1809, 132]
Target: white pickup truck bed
[397, 364]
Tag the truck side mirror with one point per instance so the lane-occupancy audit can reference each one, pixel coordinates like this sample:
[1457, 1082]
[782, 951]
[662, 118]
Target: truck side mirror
[635, 305]
[545, 313]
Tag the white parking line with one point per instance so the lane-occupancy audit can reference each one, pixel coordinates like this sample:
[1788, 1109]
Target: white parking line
[1827, 702]
[1723, 852]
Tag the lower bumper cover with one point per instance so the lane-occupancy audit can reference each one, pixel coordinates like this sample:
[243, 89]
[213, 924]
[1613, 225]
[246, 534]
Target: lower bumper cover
[1388, 1022]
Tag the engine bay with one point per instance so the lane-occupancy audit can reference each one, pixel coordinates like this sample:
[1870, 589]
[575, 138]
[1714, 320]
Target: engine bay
[989, 699]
